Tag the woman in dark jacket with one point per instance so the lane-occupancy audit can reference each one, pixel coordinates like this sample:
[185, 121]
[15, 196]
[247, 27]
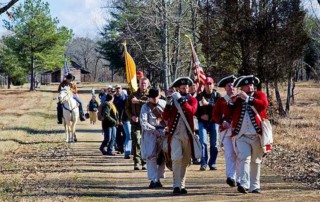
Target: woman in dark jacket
[109, 123]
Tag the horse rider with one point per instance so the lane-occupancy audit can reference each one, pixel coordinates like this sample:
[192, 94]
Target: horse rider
[69, 81]
[218, 114]
[180, 141]
[246, 129]
[206, 101]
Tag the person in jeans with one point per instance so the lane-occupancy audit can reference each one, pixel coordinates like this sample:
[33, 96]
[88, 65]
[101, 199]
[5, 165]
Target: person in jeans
[123, 137]
[206, 100]
[109, 123]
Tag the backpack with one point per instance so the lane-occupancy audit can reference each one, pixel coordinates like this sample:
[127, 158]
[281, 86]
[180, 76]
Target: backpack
[100, 113]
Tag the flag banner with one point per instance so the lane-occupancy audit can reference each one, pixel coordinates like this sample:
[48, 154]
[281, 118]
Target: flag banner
[66, 69]
[199, 75]
[130, 71]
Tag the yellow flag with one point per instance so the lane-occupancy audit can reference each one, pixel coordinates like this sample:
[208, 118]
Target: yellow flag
[130, 71]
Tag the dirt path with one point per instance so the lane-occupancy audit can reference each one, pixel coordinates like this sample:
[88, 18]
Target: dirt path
[83, 174]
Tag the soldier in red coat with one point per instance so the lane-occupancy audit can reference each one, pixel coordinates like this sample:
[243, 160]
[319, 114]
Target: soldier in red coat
[218, 114]
[246, 128]
[180, 140]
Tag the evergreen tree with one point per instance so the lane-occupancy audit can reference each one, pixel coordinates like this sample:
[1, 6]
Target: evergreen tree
[37, 41]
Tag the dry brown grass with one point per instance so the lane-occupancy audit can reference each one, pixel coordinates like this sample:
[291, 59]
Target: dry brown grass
[296, 151]
[36, 164]
[300, 130]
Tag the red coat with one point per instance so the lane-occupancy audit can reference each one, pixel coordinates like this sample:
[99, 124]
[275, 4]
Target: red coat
[258, 100]
[219, 111]
[189, 106]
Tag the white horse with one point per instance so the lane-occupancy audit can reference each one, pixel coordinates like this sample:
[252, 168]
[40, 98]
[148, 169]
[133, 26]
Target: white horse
[70, 113]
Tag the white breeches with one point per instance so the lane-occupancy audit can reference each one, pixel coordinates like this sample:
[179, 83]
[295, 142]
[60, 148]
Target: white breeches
[181, 156]
[155, 171]
[232, 166]
[250, 157]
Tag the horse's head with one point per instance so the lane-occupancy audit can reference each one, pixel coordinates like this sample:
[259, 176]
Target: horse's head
[64, 94]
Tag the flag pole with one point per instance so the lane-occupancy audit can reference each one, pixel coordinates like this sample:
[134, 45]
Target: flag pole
[126, 61]
[193, 51]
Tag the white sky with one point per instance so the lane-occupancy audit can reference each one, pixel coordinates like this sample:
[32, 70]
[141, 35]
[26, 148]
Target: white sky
[86, 17]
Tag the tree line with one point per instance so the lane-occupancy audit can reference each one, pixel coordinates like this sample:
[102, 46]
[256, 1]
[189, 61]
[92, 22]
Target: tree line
[274, 40]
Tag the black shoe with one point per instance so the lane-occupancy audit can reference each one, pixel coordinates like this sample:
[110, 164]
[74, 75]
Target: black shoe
[152, 185]
[110, 154]
[144, 167]
[213, 168]
[231, 182]
[256, 191]
[238, 184]
[136, 167]
[202, 168]
[59, 122]
[196, 162]
[126, 157]
[183, 191]
[82, 117]
[158, 184]
[176, 190]
[241, 189]
[103, 151]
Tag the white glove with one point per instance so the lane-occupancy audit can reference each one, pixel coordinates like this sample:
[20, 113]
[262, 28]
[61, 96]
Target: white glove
[176, 95]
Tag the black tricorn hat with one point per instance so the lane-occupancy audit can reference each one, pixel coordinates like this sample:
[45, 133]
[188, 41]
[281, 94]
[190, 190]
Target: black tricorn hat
[224, 81]
[70, 77]
[246, 80]
[182, 81]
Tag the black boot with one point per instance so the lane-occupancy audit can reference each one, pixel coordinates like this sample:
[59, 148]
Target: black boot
[82, 116]
[59, 112]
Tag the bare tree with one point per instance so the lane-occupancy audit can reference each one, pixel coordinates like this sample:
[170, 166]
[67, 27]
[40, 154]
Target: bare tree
[84, 52]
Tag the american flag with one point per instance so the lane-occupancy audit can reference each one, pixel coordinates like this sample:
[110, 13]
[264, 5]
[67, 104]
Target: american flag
[66, 69]
[199, 75]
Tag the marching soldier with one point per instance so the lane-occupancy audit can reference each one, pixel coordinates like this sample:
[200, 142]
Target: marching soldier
[180, 140]
[218, 114]
[153, 135]
[246, 128]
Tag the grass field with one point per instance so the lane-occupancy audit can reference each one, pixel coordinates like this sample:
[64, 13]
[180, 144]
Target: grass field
[37, 165]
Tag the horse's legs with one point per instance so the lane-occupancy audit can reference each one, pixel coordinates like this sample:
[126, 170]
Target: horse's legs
[73, 131]
[67, 128]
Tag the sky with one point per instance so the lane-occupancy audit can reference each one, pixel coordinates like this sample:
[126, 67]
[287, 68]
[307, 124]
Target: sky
[87, 17]
[84, 17]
